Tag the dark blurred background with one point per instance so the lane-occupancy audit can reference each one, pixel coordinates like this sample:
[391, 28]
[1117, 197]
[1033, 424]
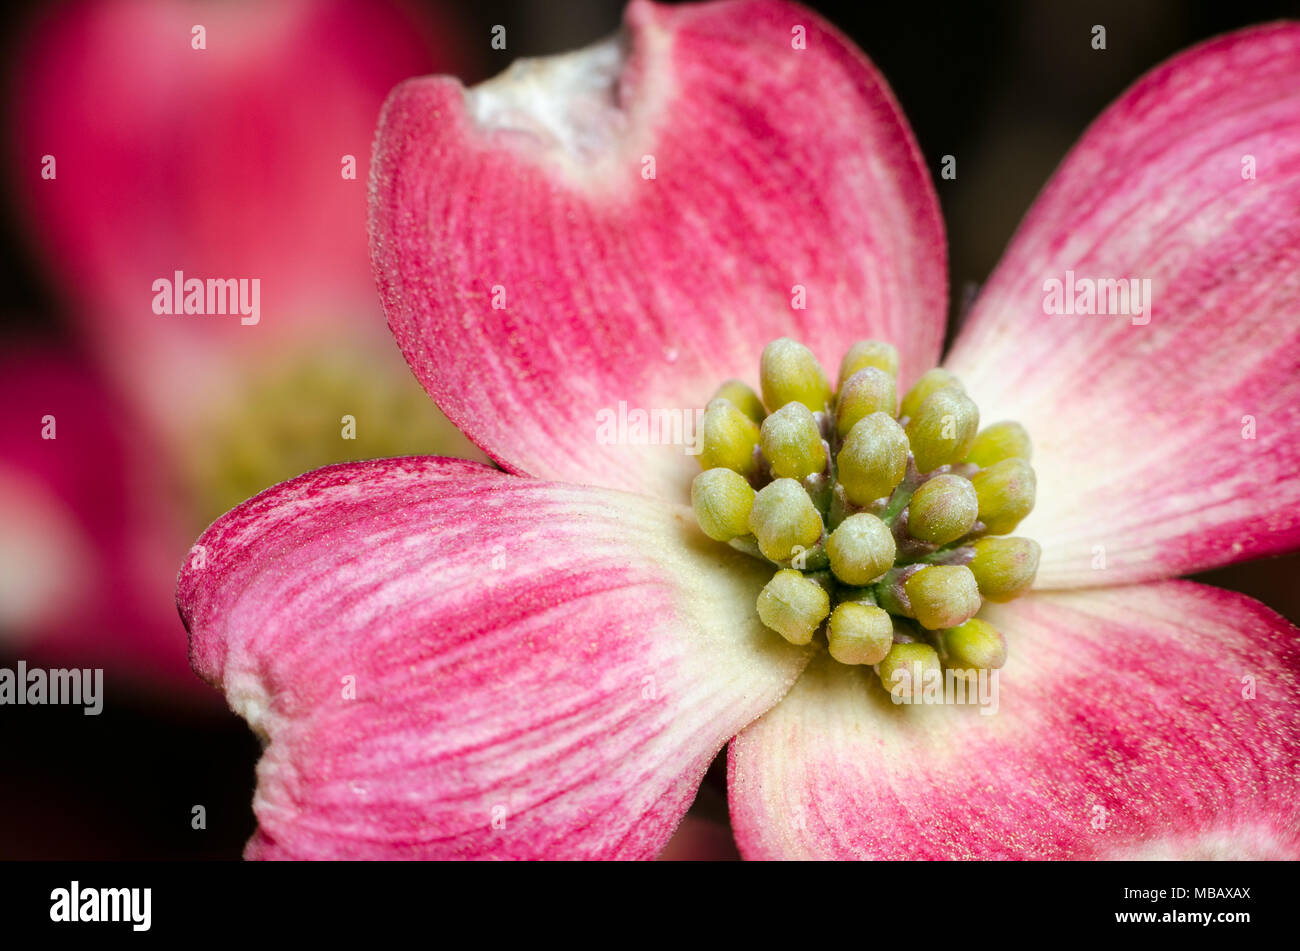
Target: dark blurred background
[1005, 87]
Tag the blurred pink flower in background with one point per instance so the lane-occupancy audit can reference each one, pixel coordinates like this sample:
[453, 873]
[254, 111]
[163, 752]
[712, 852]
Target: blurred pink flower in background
[78, 522]
[229, 161]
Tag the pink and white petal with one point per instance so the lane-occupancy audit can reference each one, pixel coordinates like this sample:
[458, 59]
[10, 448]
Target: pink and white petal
[444, 660]
[1190, 181]
[1153, 720]
[633, 222]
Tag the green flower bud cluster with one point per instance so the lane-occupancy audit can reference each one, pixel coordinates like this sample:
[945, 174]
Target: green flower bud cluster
[886, 518]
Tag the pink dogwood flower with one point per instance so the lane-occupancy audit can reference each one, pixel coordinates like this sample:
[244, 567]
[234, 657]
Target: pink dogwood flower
[142, 147]
[447, 660]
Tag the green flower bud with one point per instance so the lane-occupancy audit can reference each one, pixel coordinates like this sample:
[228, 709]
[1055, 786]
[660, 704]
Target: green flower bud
[975, 645]
[1006, 493]
[931, 381]
[942, 510]
[727, 438]
[1007, 440]
[1004, 568]
[870, 390]
[943, 596]
[869, 353]
[942, 430]
[793, 605]
[743, 398]
[782, 517]
[860, 633]
[792, 442]
[722, 499]
[789, 373]
[861, 549]
[905, 669]
[873, 459]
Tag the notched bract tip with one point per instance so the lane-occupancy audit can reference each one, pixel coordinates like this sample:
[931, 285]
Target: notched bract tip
[570, 105]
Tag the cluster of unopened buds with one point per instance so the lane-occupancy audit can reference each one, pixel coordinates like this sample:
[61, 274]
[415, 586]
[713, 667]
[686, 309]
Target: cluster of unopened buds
[888, 522]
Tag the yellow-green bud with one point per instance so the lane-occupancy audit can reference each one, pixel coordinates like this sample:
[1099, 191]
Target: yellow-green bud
[873, 459]
[1006, 493]
[782, 517]
[861, 549]
[942, 510]
[789, 372]
[722, 499]
[793, 605]
[898, 468]
[870, 390]
[975, 645]
[1004, 568]
[930, 382]
[905, 669]
[1007, 440]
[869, 353]
[860, 633]
[942, 596]
[727, 438]
[743, 398]
[942, 430]
[792, 442]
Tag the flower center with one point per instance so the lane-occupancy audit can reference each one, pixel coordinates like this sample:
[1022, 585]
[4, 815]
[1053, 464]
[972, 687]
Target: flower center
[888, 522]
[301, 411]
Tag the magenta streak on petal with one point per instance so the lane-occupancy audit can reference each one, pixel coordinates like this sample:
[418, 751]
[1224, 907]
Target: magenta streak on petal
[773, 166]
[540, 670]
[1138, 429]
[1123, 730]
